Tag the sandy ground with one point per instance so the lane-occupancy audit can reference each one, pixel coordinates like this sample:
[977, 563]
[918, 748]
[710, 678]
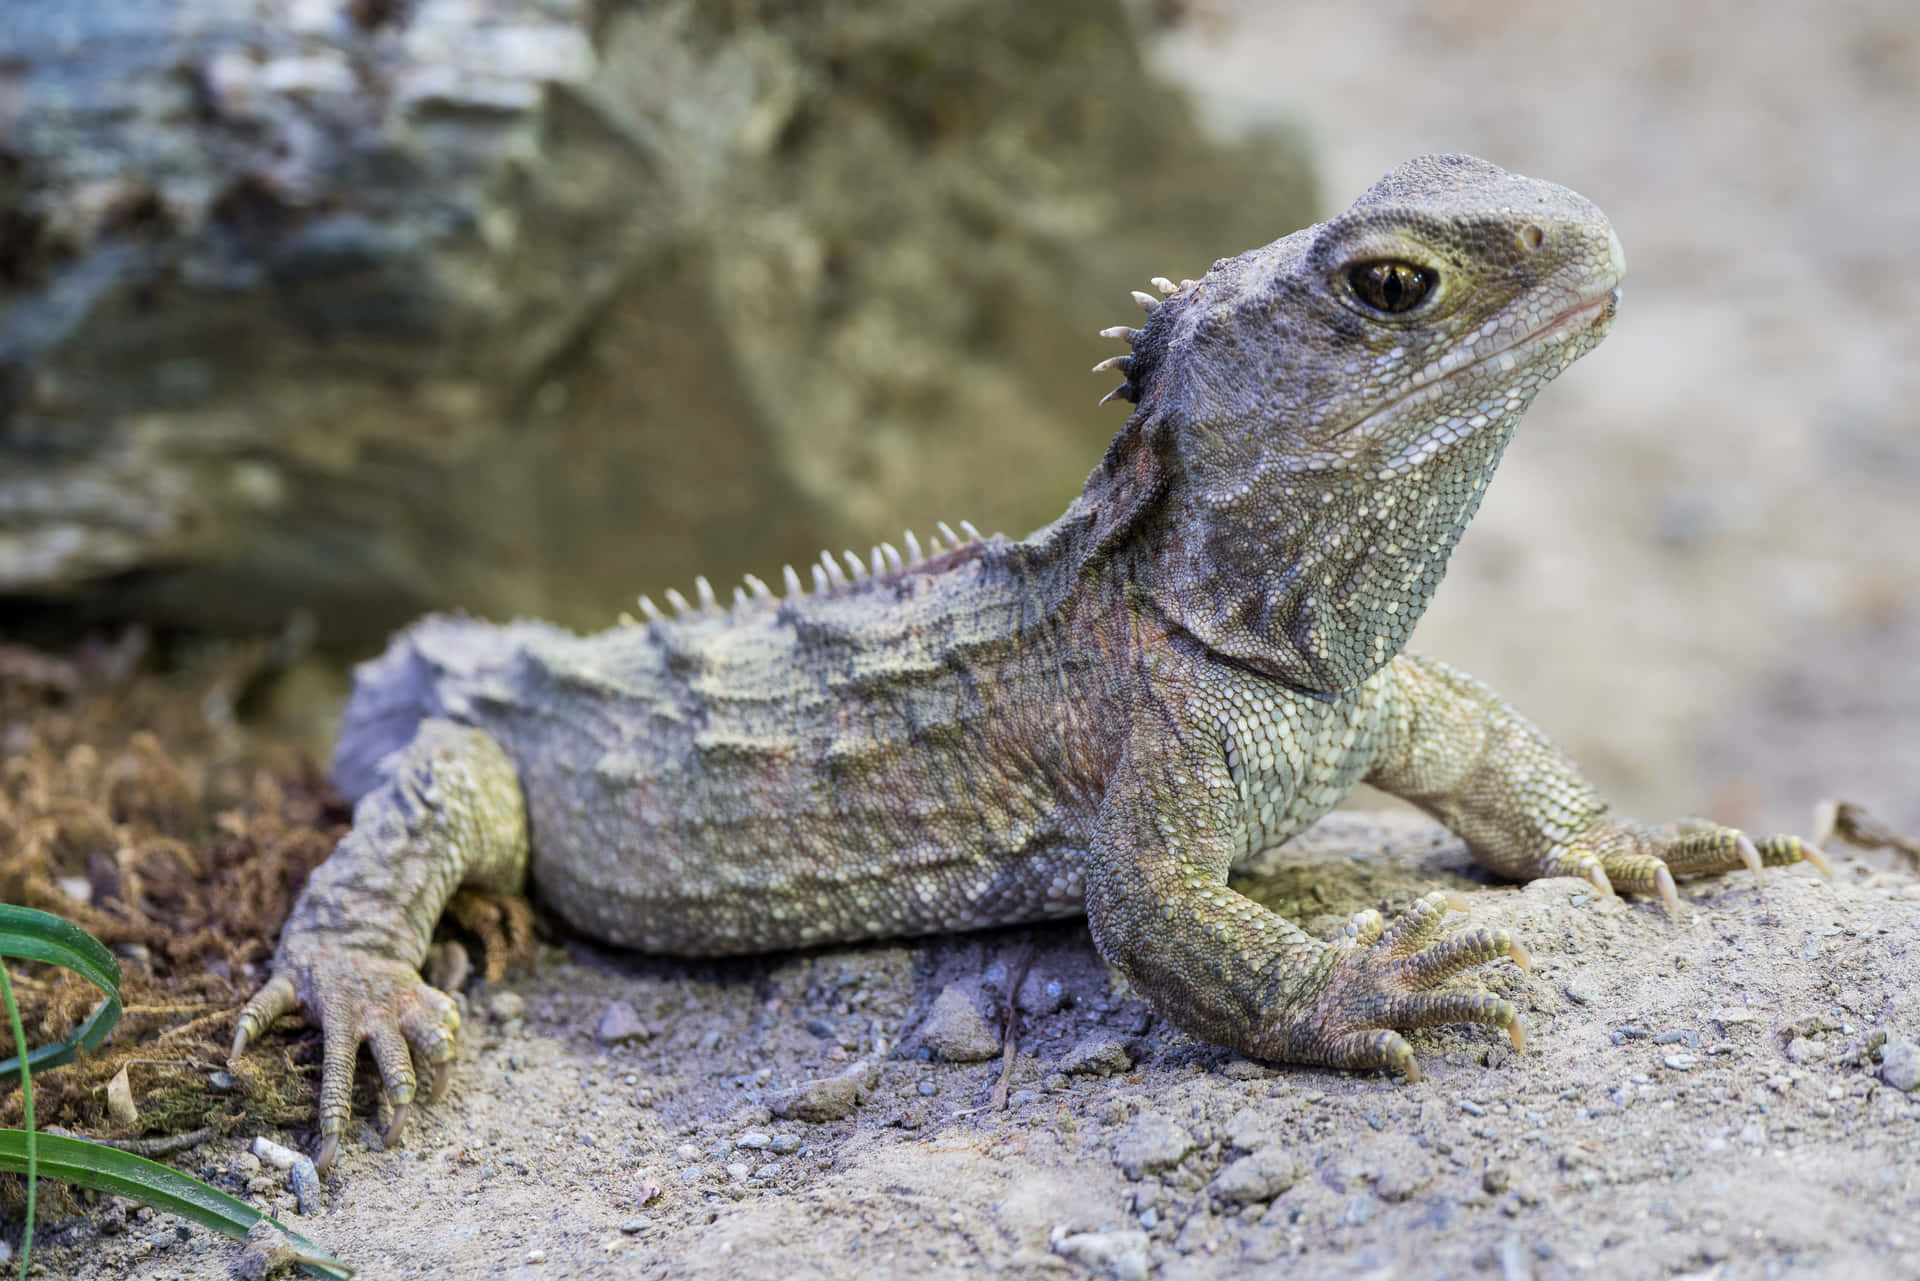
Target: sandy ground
[1697, 570]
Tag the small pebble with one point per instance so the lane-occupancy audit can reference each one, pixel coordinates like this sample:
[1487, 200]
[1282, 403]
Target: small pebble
[752, 1139]
[1900, 1065]
[620, 1025]
[536, 1256]
[1681, 1062]
[1805, 1050]
[955, 1029]
[1097, 1056]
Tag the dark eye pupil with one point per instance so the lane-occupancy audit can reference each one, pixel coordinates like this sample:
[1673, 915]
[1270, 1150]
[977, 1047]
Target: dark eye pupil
[1390, 286]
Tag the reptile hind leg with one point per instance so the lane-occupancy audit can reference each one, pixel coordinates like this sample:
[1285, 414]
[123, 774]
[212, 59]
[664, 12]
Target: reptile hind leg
[449, 814]
[504, 925]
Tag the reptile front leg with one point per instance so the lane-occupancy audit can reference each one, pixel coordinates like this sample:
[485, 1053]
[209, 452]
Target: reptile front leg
[1227, 969]
[450, 815]
[1453, 748]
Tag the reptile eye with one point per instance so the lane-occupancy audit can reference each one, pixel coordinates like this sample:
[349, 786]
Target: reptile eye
[1389, 286]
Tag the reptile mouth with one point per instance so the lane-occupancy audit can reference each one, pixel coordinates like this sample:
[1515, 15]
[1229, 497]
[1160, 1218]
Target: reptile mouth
[1595, 309]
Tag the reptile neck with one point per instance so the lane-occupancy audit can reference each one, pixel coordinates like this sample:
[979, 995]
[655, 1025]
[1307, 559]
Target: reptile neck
[1314, 577]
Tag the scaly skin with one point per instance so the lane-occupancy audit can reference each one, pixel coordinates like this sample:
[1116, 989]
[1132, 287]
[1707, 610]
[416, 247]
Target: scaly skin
[1195, 662]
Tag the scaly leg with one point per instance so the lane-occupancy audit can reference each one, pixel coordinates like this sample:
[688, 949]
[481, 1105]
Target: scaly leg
[1456, 750]
[1227, 969]
[449, 816]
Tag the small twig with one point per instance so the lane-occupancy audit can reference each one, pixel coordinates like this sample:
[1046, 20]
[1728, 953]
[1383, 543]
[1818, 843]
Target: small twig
[163, 1144]
[1009, 1046]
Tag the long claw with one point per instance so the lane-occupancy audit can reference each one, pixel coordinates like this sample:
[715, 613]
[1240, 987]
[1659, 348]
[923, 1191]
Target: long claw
[257, 1015]
[1669, 896]
[329, 1148]
[1598, 875]
[1457, 902]
[1518, 955]
[1749, 857]
[1817, 857]
[391, 1134]
[1517, 1033]
[442, 1073]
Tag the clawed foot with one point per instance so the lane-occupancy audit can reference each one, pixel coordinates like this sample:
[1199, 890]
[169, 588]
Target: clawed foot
[357, 997]
[1385, 977]
[1620, 856]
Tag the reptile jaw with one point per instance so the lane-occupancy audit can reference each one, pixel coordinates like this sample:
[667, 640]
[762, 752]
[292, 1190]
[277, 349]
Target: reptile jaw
[1597, 307]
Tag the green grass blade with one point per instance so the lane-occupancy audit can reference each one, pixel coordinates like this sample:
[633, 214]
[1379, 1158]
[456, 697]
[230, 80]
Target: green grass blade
[33, 935]
[89, 1165]
[30, 1145]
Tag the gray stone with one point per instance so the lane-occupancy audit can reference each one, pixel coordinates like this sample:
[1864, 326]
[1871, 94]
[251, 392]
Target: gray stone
[1805, 1050]
[1096, 1056]
[1900, 1065]
[828, 1099]
[620, 1025]
[1120, 1255]
[1042, 994]
[955, 1030]
[504, 1006]
[1261, 1176]
[1149, 1144]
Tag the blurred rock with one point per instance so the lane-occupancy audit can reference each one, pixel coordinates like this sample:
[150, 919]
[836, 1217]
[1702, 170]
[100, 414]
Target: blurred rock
[528, 305]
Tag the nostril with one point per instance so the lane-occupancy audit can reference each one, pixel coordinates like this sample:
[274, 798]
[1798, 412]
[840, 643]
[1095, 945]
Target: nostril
[1532, 236]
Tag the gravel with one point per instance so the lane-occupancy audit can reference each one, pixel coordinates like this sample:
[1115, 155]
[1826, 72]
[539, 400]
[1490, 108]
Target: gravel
[956, 1031]
[1151, 1143]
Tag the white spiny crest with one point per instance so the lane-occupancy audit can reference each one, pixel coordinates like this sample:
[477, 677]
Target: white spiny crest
[1164, 285]
[1148, 303]
[828, 575]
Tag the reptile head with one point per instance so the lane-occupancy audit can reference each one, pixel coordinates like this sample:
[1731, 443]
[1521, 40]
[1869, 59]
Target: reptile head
[1319, 417]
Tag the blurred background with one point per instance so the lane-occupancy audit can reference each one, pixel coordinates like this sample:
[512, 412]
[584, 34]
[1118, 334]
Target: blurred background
[318, 314]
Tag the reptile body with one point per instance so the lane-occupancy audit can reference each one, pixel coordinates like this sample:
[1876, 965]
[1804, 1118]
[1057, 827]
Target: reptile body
[1197, 660]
